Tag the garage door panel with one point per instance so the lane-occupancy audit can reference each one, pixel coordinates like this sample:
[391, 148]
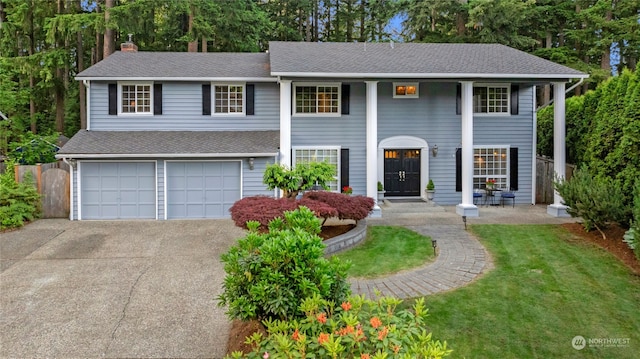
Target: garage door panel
[118, 190]
[197, 189]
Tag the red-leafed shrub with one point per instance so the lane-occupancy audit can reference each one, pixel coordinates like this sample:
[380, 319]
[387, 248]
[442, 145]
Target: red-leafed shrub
[263, 209]
[349, 207]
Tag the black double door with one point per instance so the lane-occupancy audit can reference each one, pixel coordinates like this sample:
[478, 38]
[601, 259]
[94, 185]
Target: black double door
[402, 172]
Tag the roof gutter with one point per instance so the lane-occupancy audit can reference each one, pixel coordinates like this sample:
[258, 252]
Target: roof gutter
[161, 155]
[177, 79]
[422, 75]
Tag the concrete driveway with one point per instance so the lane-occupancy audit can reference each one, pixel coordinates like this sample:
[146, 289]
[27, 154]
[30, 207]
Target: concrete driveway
[116, 289]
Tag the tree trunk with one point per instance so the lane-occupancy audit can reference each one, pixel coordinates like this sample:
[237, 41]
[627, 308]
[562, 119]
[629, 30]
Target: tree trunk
[546, 89]
[460, 20]
[32, 81]
[605, 61]
[60, 82]
[193, 45]
[109, 34]
[82, 92]
[204, 44]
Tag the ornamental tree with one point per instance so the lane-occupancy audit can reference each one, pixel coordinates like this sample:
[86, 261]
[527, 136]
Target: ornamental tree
[302, 177]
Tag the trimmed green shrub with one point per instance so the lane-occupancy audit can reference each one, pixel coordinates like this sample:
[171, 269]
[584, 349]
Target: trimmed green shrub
[597, 200]
[19, 202]
[268, 274]
[357, 328]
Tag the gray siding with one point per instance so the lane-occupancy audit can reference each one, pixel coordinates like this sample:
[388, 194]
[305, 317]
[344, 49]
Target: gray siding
[252, 179]
[346, 131]
[182, 110]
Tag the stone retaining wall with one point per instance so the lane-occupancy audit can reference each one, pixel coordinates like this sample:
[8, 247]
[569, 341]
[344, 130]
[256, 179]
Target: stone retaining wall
[346, 240]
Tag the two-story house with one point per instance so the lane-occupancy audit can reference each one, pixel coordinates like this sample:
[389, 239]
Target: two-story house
[185, 135]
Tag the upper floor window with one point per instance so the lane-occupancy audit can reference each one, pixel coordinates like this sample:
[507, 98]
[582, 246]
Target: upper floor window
[491, 99]
[136, 98]
[405, 90]
[229, 99]
[317, 99]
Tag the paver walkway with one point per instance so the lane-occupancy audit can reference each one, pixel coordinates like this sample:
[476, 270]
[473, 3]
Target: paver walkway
[461, 257]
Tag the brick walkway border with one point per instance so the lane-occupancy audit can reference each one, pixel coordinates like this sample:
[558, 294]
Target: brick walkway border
[461, 259]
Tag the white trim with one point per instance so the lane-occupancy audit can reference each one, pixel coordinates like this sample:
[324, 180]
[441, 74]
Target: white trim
[79, 163]
[559, 151]
[164, 155]
[371, 119]
[295, 113]
[422, 75]
[166, 203]
[534, 146]
[87, 86]
[331, 148]
[406, 84]
[228, 114]
[466, 206]
[139, 83]
[285, 122]
[71, 173]
[406, 142]
[185, 79]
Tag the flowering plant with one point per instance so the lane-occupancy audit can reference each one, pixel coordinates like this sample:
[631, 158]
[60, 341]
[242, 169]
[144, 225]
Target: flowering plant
[347, 190]
[491, 183]
[357, 328]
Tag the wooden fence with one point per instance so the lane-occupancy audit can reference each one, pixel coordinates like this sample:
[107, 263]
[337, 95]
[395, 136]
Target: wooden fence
[545, 175]
[52, 181]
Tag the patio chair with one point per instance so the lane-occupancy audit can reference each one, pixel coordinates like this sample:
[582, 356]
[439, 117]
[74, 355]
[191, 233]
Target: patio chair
[510, 194]
[477, 195]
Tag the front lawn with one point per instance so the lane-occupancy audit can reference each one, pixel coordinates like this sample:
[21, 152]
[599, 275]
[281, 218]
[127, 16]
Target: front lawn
[547, 287]
[387, 250]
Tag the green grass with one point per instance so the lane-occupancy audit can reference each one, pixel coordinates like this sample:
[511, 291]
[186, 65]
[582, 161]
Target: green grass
[387, 250]
[546, 288]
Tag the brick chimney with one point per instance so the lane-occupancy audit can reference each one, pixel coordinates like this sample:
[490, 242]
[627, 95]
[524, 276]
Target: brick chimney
[128, 46]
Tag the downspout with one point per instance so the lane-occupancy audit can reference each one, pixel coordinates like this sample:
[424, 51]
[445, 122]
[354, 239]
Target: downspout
[71, 175]
[566, 91]
[87, 85]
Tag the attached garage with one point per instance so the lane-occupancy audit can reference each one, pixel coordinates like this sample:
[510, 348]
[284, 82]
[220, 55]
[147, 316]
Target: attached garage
[117, 190]
[202, 189]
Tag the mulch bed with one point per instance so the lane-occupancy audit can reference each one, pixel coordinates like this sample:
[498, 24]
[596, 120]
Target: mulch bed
[612, 244]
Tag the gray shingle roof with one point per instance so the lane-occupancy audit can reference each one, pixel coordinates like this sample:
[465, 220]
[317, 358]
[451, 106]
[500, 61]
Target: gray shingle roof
[366, 59]
[187, 65]
[86, 144]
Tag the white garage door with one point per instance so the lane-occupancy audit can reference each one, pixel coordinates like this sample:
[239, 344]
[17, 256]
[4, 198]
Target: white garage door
[113, 190]
[202, 189]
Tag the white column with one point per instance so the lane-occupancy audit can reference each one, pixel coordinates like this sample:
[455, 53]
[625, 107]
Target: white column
[557, 209]
[372, 142]
[285, 122]
[467, 208]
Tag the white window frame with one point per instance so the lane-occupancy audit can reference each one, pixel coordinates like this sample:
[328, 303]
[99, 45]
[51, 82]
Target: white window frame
[135, 83]
[416, 85]
[488, 86]
[213, 99]
[337, 85]
[338, 149]
[480, 178]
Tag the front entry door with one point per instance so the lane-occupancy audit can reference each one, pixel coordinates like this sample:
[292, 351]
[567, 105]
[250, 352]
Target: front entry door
[402, 172]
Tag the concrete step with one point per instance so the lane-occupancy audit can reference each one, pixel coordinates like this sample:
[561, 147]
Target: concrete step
[401, 206]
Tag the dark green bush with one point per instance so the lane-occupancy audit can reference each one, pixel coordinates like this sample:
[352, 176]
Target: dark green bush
[19, 202]
[597, 200]
[269, 274]
[632, 237]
